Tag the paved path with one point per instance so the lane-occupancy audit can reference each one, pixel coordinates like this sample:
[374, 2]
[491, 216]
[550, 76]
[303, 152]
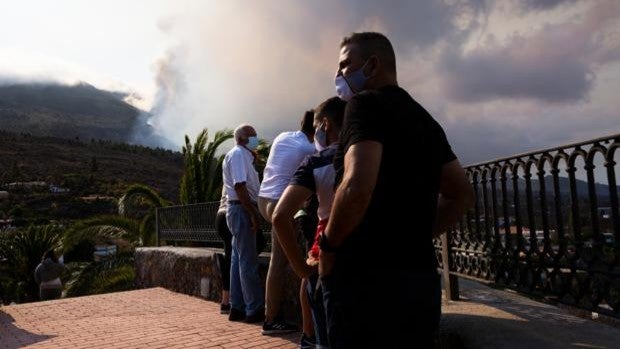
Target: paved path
[151, 318]
[491, 318]
[158, 318]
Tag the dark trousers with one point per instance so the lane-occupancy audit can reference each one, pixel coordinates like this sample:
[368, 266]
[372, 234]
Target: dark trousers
[226, 236]
[46, 294]
[315, 296]
[370, 307]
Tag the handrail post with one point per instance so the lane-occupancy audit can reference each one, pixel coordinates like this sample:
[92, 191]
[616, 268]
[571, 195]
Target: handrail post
[450, 282]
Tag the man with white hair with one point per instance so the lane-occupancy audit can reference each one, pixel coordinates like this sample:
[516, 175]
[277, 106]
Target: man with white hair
[247, 302]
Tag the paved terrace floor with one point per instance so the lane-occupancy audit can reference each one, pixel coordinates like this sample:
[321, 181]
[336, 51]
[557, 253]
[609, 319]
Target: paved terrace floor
[151, 318]
[157, 318]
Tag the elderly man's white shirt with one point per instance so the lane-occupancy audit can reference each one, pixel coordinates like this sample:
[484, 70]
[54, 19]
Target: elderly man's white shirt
[238, 167]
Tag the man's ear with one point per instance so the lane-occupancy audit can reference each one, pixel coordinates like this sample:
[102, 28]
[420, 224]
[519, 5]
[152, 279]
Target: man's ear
[327, 124]
[374, 63]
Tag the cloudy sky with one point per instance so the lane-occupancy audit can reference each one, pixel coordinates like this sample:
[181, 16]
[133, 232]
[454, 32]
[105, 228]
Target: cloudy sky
[502, 77]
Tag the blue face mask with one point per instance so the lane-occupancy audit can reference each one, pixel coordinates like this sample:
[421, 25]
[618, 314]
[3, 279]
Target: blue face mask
[347, 87]
[252, 143]
[320, 139]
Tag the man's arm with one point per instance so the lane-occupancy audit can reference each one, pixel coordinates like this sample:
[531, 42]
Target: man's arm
[283, 226]
[246, 202]
[361, 169]
[456, 195]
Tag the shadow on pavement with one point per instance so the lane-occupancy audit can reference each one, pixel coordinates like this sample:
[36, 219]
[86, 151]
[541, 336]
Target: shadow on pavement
[12, 337]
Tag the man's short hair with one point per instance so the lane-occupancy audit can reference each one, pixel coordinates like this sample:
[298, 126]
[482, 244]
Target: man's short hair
[332, 109]
[307, 122]
[371, 43]
[241, 132]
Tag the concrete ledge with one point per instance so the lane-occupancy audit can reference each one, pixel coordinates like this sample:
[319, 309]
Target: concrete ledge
[194, 271]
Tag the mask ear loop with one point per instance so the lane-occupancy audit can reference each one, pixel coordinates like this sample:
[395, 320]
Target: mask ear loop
[346, 81]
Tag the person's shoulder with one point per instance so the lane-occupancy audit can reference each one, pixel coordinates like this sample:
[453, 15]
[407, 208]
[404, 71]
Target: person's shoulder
[233, 153]
[322, 158]
[282, 136]
[235, 150]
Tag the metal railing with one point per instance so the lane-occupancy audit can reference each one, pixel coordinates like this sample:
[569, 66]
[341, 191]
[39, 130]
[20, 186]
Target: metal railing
[544, 223]
[194, 223]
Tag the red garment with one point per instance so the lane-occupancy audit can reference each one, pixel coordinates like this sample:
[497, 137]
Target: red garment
[314, 251]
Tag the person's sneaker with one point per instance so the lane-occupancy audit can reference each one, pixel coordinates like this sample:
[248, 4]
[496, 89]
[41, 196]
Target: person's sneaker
[224, 308]
[307, 342]
[236, 315]
[259, 316]
[278, 327]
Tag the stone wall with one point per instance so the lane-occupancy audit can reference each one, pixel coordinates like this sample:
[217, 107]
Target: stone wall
[194, 271]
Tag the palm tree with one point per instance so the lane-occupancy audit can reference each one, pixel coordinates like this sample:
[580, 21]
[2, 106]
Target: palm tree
[128, 230]
[202, 177]
[136, 196]
[113, 274]
[104, 229]
[262, 151]
[22, 251]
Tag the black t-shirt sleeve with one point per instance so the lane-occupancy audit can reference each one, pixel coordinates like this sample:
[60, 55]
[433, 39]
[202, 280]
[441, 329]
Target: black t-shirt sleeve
[304, 175]
[444, 150]
[361, 120]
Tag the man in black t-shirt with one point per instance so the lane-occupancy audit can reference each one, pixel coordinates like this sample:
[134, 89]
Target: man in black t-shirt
[378, 241]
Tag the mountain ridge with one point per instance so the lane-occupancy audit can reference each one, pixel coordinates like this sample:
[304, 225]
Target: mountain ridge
[69, 111]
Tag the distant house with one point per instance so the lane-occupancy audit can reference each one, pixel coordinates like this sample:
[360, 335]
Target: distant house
[103, 252]
[5, 223]
[604, 212]
[29, 185]
[96, 197]
[56, 189]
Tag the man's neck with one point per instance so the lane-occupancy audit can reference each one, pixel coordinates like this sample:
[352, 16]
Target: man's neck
[253, 152]
[380, 82]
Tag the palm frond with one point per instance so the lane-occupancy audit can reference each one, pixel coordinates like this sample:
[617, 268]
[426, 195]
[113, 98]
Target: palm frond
[103, 228]
[135, 192]
[115, 274]
[147, 230]
[23, 250]
[202, 175]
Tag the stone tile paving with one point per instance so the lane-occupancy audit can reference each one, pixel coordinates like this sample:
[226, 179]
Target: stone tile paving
[150, 318]
[492, 318]
[158, 318]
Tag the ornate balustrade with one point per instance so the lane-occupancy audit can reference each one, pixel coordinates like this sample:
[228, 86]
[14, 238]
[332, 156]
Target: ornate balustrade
[545, 223]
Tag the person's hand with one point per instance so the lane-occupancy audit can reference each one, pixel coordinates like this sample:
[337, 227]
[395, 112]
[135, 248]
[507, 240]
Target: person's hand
[304, 270]
[254, 221]
[326, 262]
